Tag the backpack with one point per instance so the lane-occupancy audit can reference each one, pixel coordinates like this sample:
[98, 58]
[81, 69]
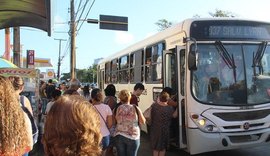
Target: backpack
[32, 120]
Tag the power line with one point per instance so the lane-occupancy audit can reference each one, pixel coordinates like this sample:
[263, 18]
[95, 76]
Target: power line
[78, 9]
[86, 15]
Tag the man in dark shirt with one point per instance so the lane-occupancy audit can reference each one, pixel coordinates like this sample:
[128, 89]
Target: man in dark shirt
[137, 91]
[49, 89]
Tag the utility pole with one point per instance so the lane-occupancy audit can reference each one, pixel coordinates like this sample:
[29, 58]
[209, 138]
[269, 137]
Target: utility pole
[59, 59]
[16, 47]
[7, 44]
[72, 41]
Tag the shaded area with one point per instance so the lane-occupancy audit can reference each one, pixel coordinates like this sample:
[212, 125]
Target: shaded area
[29, 13]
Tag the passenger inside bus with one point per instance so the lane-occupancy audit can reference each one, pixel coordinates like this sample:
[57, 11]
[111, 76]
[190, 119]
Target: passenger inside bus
[208, 80]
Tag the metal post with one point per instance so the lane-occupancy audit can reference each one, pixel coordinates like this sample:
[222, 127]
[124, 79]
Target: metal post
[16, 47]
[7, 44]
[72, 40]
[59, 59]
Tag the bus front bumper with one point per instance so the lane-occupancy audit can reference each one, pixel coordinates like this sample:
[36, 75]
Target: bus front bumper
[200, 142]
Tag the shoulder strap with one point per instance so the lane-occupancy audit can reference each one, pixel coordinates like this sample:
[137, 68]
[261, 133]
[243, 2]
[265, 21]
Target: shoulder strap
[22, 100]
[137, 112]
[115, 109]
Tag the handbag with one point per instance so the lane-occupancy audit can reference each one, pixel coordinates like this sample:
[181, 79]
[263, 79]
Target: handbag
[147, 115]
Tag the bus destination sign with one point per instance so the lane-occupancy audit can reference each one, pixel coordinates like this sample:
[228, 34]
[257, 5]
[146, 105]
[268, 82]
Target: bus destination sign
[241, 30]
[237, 32]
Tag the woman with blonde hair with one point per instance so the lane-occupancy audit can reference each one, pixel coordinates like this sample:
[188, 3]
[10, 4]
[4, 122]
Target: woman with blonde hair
[18, 84]
[15, 126]
[72, 128]
[128, 120]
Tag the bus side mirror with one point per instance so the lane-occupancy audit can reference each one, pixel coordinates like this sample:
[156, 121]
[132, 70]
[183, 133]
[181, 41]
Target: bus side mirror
[192, 60]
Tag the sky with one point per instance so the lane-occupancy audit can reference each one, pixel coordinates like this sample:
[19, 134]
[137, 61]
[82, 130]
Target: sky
[92, 43]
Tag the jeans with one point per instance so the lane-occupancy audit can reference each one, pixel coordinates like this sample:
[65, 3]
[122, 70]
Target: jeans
[126, 146]
[44, 102]
[105, 142]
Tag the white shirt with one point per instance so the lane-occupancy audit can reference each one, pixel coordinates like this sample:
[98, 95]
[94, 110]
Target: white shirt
[105, 111]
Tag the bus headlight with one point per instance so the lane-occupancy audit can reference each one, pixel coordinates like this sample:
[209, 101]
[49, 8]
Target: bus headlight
[204, 124]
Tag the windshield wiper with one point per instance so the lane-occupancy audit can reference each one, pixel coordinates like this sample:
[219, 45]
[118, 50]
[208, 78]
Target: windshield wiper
[226, 57]
[258, 57]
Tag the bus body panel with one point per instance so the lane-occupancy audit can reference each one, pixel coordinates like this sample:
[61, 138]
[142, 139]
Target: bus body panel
[203, 125]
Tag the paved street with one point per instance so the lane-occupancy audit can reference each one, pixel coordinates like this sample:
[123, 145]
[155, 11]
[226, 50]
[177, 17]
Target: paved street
[146, 151]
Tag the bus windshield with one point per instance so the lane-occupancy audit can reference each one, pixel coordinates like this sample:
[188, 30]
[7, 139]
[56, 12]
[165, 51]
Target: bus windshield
[232, 74]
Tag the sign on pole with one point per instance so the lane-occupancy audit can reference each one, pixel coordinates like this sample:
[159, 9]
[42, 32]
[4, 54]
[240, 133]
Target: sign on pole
[113, 22]
[30, 58]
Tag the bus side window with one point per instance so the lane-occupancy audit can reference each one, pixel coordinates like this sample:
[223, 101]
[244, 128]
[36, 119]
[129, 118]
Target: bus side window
[148, 61]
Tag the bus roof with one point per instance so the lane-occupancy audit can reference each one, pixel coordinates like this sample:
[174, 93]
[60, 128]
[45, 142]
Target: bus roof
[175, 29]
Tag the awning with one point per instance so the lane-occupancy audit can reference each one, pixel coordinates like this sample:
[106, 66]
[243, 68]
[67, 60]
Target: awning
[22, 72]
[29, 13]
[6, 64]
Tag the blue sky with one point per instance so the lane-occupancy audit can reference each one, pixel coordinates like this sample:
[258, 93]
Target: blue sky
[93, 43]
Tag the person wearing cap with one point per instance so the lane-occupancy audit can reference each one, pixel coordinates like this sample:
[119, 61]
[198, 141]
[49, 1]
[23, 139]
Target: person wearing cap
[74, 85]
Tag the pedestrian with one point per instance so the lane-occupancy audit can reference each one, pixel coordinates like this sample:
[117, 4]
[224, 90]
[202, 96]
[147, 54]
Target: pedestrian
[55, 95]
[86, 92]
[16, 133]
[63, 87]
[111, 101]
[18, 84]
[74, 86]
[49, 89]
[174, 128]
[137, 91]
[72, 128]
[128, 120]
[161, 115]
[110, 98]
[105, 114]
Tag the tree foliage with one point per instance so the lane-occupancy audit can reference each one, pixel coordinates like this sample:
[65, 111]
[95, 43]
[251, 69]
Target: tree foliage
[163, 24]
[84, 75]
[221, 13]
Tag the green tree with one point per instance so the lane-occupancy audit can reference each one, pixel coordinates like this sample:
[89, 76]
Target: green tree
[221, 13]
[163, 24]
[84, 75]
[93, 73]
[65, 77]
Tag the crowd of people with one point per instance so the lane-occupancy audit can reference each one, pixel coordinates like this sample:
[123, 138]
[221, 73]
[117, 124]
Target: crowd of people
[82, 121]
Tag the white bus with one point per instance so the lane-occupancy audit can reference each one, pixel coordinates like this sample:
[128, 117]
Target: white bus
[220, 69]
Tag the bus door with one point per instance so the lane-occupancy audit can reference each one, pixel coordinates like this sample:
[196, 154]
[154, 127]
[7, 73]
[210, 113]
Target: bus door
[101, 77]
[174, 76]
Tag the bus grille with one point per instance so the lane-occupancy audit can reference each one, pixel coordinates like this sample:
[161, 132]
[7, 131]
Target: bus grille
[244, 138]
[239, 126]
[241, 116]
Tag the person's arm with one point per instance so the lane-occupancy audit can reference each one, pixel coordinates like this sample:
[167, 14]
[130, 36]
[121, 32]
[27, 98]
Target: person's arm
[175, 113]
[172, 103]
[141, 118]
[109, 121]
